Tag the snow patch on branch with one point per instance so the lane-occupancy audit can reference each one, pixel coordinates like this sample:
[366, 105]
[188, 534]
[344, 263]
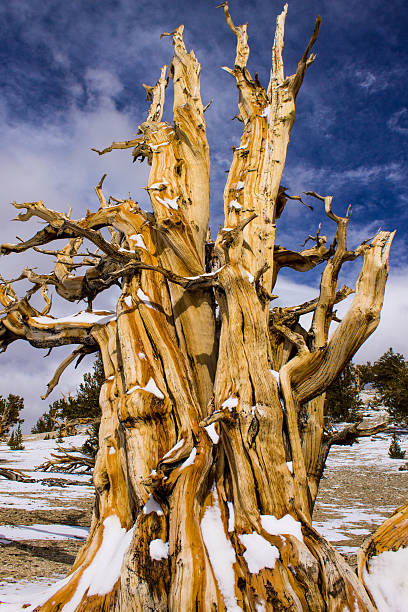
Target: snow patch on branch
[161, 144]
[286, 525]
[151, 387]
[99, 318]
[190, 459]
[231, 516]
[210, 429]
[259, 552]
[266, 111]
[235, 204]
[158, 549]
[230, 403]
[145, 299]
[240, 185]
[175, 447]
[168, 203]
[221, 553]
[206, 274]
[152, 506]
[128, 300]
[138, 240]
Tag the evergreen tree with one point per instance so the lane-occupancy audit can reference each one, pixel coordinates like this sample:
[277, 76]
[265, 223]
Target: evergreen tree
[15, 441]
[84, 404]
[47, 421]
[11, 440]
[60, 438]
[10, 409]
[390, 379]
[91, 445]
[342, 401]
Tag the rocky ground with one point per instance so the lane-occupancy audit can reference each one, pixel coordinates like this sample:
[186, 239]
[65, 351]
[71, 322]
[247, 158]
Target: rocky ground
[361, 487]
[29, 559]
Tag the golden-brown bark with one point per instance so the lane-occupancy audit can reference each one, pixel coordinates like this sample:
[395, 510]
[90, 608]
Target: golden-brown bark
[200, 431]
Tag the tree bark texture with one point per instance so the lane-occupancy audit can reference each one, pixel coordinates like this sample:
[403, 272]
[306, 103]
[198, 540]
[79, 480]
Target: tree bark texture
[212, 438]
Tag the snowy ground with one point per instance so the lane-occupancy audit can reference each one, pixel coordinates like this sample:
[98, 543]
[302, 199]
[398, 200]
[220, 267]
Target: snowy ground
[35, 495]
[69, 496]
[360, 488]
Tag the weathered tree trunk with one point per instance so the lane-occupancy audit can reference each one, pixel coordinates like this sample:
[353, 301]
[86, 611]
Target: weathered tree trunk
[211, 442]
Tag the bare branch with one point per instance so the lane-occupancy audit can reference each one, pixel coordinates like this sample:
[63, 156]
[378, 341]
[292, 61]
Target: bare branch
[295, 338]
[306, 60]
[127, 144]
[63, 365]
[99, 192]
[277, 71]
[156, 96]
[350, 433]
[310, 375]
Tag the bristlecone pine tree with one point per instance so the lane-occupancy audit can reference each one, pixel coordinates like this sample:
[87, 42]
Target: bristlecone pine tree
[206, 475]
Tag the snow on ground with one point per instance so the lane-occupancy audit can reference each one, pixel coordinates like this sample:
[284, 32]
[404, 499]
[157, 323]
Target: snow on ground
[338, 521]
[35, 495]
[341, 522]
[36, 452]
[13, 596]
[68, 493]
[10, 533]
[98, 578]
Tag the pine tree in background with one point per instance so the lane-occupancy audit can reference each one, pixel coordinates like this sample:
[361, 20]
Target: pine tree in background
[342, 401]
[390, 379]
[10, 409]
[395, 451]
[91, 445]
[15, 441]
[11, 440]
[47, 422]
[60, 438]
[84, 404]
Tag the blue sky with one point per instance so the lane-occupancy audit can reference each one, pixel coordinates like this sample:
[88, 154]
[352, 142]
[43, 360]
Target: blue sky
[70, 78]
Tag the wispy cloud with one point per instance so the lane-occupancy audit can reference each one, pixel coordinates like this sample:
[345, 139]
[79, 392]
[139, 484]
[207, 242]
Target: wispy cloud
[398, 122]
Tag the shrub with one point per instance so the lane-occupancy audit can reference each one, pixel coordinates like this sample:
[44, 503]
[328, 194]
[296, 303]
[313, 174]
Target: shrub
[395, 451]
[15, 441]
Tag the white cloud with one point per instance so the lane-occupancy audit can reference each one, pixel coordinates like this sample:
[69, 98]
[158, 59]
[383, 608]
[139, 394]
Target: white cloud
[302, 177]
[393, 327]
[54, 162]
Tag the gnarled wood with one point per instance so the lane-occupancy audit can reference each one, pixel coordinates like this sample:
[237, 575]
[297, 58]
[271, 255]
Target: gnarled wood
[202, 447]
